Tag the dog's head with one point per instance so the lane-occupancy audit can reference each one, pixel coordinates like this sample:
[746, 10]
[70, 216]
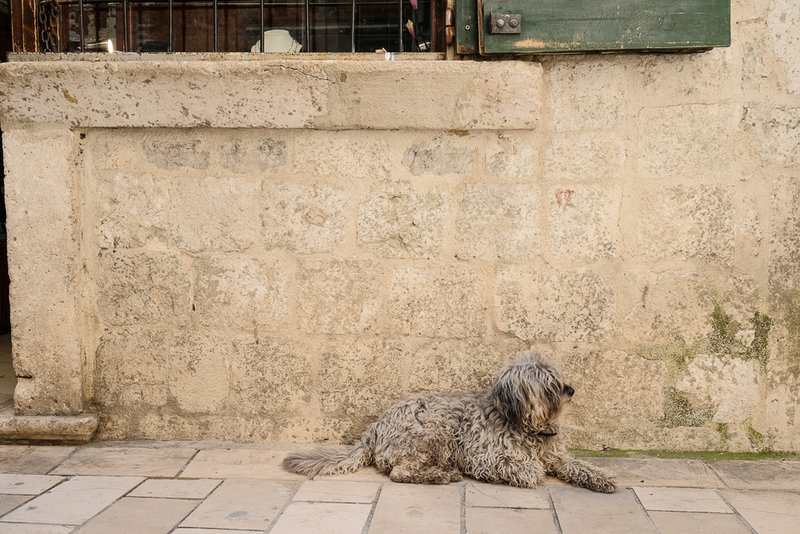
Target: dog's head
[530, 393]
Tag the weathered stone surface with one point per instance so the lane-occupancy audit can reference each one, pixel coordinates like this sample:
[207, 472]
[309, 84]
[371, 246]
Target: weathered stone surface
[245, 291]
[437, 301]
[133, 210]
[499, 222]
[584, 222]
[512, 156]
[211, 213]
[688, 141]
[783, 20]
[585, 156]
[586, 93]
[172, 154]
[303, 219]
[775, 132]
[44, 249]
[243, 153]
[340, 296]
[344, 154]
[616, 392]
[439, 156]
[199, 376]
[552, 306]
[143, 288]
[686, 222]
[395, 220]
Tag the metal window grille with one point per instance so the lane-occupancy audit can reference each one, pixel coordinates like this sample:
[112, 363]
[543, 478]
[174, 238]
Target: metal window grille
[74, 14]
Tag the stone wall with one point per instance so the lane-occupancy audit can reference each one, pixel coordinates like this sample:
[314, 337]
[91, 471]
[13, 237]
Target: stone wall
[278, 249]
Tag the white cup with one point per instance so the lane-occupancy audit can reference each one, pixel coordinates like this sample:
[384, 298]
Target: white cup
[277, 41]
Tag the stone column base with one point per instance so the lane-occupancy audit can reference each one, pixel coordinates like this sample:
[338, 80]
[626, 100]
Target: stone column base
[61, 428]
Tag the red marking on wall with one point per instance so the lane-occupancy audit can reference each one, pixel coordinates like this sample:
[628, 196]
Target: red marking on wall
[564, 197]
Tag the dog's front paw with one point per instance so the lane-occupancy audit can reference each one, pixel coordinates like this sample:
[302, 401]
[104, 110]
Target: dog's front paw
[603, 485]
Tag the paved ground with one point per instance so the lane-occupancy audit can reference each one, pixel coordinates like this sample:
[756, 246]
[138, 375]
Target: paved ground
[228, 489]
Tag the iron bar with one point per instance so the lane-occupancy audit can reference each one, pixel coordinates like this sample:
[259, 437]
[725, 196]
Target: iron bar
[309, 48]
[125, 26]
[170, 8]
[80, 25]
[400, 24]
[261, 35]
[353, 26]
[216, 25]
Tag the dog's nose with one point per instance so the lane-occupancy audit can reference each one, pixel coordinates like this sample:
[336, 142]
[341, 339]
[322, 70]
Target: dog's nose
[569, 391]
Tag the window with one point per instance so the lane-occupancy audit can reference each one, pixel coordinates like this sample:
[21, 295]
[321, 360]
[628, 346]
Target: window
[238, 25]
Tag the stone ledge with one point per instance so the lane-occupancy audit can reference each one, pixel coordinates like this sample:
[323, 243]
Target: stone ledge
[272, 93]
[59, 428]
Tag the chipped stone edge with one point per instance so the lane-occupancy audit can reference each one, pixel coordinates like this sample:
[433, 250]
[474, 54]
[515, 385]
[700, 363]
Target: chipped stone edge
[57, 428]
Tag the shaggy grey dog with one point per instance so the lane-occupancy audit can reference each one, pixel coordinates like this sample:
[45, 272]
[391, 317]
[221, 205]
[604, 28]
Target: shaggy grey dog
[506, 435]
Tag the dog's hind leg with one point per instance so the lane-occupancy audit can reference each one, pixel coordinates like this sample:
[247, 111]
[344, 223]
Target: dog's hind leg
[414, 473]
[582, 474]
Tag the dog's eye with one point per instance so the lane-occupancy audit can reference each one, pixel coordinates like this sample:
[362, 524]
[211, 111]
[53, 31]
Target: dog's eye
[568, 390]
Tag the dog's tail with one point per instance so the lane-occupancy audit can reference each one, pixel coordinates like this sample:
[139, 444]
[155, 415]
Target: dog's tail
[324, 462]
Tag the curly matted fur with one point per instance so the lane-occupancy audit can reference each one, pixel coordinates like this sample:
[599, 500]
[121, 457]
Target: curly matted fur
[506, 435]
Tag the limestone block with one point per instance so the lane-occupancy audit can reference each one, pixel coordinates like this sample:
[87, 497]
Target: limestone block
[116, 150]
[242, 291]
[687, 141]
[586, 92]
[340, 296]
[395, 220]
[775, 132]
[199, 370]
[437, 301]
[725, 386]
[512, 156]
[499, 222]
[783, 21]
[682, 222]
[42, 220]
[133, 209]
[343, 154]
[146, 287]
[360, 378]
[615, 390]
[213, 213]
[252, 152]
[535, 304]
[583, 221]
[304, 218]
[459, 365]
[270, 376]
[439, 156]
[585, 156]
[132, 367]
[663, 307]
[784, 264]
[175, 154]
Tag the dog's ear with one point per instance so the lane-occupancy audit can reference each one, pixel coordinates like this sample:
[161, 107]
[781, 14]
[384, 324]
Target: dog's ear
[508, 397]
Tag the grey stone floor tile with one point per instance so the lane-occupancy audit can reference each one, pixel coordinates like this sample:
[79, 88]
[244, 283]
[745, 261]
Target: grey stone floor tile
[697, 523]
[74, 501]
[345, 491]
[774, 474]
[29, 528]
[27, 484]
[509, 521]
[31, 460]
[322, 517]
[245, 504]
[134, 515]
[176, 489]
[126, 461]
[581, 511]
[501, 496]
[182, 530]
[415, 509]
[768, 512]
[239, 463]
[659, 472]
[682, 500]
[9, 502]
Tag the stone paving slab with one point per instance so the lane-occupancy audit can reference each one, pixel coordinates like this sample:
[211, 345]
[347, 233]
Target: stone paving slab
[774, 474]
[580, 511]
[17, 528]
[126, 462]
[509, 521]
[134, 515]
[9, 502]
[75, 501]
[176, 489]
[343, 491]
[500, 496]
[660, 472]
[26, 484]
[412, 509]
[25, 460]
[239, 463]
[697, 523]
[681, 500]
[768, 512]
[322, 517]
